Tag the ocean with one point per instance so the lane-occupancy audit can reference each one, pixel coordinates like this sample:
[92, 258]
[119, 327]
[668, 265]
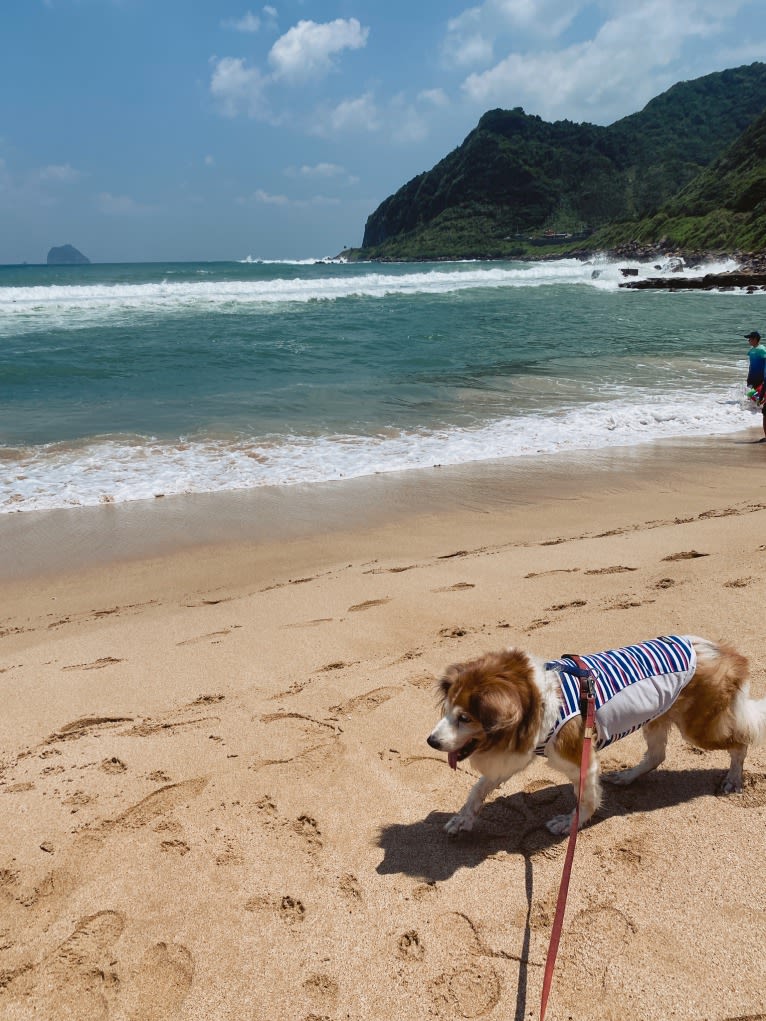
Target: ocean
[126, 382]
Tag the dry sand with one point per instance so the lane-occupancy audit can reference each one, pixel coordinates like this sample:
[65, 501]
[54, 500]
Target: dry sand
[217, 799]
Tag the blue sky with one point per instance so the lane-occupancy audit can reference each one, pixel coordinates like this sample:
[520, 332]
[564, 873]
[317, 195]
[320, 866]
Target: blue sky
[212, 129]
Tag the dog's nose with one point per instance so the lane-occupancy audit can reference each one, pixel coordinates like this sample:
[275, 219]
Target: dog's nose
[433, 741]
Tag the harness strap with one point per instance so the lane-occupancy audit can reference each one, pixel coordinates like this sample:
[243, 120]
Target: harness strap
[588, 710]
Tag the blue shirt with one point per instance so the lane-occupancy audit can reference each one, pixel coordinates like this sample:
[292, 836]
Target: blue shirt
[755, 372]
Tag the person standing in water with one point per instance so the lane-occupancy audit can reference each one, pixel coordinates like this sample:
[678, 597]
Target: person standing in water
[756, 373]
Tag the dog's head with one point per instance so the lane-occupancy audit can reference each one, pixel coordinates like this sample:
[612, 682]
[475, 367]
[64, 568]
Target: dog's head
[490, 702]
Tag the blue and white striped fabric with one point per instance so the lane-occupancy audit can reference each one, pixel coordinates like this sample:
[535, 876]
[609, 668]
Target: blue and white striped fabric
[634, 685]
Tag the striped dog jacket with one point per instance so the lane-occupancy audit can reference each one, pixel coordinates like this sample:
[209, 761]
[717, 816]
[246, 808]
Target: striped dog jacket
[633, 686]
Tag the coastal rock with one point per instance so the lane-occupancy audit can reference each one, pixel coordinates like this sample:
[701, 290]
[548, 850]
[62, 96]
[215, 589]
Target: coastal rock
[741, 278]
[67, 255]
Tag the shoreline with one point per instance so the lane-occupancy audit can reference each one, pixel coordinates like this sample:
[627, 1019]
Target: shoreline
[38, 543]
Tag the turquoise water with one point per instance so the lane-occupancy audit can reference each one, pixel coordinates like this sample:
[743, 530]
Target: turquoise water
[119, 382]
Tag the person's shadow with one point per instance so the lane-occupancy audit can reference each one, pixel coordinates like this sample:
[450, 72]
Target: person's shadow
[516, 824]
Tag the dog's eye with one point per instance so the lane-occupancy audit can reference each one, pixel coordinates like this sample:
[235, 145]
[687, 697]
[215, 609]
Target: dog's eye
[463, 718]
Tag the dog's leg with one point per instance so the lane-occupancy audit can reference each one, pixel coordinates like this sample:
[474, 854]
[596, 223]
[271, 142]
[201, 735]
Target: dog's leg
[466, 817]
[732, 782]
[591, 797]
[656, 737]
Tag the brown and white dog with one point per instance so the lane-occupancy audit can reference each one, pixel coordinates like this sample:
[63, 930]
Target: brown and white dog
[503, 707]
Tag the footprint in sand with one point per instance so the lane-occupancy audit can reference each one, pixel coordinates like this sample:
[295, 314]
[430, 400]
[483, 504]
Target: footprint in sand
[426, 682]
[664, 583]
[617, 569]
[454, 632]
[567, 606]
[608, 934]
[76, 981]
[289, 910]
[367, 702]
[691, 554]
[535, 625]
[154, 806]
[213, 637]
[626, 603]
[367, 605]
[459, 586]
[350, 888]
[175, 847]
[310, 623]
[337, 665]
[164, 978]
[85, 725]
[470, 988]
[322, 990]
[409, 947]
[305, 828]
[308, 830]
[96, 664]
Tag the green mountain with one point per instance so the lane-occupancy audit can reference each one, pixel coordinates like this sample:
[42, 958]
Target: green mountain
[723, 208]
[518, 182]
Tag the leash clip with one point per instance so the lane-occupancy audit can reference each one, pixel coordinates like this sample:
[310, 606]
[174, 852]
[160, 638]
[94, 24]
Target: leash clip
[587, 693]
[587, 682]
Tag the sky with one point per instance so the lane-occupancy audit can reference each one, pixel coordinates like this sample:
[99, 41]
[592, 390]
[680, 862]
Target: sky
[185, 130]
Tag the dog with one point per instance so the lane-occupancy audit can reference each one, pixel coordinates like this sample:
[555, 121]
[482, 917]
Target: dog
[504, 707]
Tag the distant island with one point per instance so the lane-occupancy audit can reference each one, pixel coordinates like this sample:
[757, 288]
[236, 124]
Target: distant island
[67, 255]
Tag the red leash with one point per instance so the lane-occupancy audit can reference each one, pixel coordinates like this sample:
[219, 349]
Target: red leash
[588, 708]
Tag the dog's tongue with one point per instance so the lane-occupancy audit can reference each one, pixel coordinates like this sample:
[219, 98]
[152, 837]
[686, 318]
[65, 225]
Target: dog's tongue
[452, 759]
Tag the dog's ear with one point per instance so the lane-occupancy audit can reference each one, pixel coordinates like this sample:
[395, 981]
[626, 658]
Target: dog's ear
[509, 712]
[497, 706]
[445, 683]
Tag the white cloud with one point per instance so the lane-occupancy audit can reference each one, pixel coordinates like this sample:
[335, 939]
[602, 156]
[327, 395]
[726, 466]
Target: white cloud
[270, 200]
[120, 205]
[360, 114]
[476, 34]
[261, 197]
[543, 18]
[407, 124]
[307, 49]
[629, 60]
[239, 89]
[35, 186]
[434, 97]
[209, 160]
[465, 44]
[318, 170]
[59, 172]
[321, 171]
[247, 23]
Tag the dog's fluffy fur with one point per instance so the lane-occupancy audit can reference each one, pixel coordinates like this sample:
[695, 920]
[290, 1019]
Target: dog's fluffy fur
[499, 707]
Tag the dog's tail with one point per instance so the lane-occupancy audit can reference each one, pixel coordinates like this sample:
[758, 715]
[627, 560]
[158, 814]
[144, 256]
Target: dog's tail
[728, 669]
[750, 715]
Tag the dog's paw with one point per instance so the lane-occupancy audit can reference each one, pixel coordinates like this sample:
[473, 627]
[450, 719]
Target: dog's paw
[620, 778]
[730, 785]
[560, 825]
[460, 824]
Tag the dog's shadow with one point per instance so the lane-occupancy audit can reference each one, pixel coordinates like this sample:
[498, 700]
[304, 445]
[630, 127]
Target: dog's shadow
[515, 824]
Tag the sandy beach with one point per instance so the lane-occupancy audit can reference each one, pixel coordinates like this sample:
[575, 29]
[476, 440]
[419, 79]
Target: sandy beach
[217, 799]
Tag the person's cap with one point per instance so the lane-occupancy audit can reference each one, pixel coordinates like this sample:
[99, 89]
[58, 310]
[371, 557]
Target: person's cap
[753, 333]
